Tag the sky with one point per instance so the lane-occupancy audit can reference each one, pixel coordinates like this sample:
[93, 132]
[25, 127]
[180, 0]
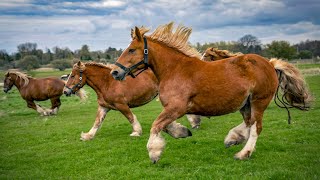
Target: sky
[107, 23]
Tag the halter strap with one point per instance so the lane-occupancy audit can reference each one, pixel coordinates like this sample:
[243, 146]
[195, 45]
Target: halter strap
[76, 85]
[143, 61]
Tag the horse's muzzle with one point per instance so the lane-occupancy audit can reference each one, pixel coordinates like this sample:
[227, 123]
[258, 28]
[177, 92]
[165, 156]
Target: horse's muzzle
[5, 90]
[67, 92]
[119, 75]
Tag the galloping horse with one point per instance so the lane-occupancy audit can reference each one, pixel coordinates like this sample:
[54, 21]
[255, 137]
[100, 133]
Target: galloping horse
[188, 85]
[114, 95]
[36, 89]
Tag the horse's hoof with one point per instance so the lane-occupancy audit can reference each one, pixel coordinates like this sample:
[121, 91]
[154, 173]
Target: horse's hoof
[196, 127]
[231, 143]
[85, 137]
[135, 134]
[242, 156]
[189, 133]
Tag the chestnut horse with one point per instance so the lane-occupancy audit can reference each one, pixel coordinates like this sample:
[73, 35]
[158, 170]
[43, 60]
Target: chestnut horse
[36, 89]
[188, 85]
[115, 95]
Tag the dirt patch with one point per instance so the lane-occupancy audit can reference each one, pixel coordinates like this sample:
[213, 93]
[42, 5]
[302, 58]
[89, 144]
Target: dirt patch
[311, 71]
[45, 69]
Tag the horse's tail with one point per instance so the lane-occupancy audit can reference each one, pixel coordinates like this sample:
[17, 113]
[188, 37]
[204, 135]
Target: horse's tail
[294, 88]
[82, 94]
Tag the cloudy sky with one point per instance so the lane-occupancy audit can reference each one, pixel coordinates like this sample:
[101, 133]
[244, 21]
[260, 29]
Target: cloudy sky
[104, 23]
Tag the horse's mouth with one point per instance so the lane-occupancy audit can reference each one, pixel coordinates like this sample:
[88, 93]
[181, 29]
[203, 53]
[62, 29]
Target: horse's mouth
[5, 90]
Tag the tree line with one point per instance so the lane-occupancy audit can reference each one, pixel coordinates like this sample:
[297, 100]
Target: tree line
[30, 57]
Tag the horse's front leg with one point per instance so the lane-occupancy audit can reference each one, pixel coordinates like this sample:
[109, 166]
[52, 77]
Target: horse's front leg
[55, 104]
[36, 107]
[165, 121]
[136, 127]
[194, 120]
[101, 114]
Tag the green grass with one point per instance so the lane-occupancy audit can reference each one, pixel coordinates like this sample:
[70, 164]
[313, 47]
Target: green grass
[34, 147]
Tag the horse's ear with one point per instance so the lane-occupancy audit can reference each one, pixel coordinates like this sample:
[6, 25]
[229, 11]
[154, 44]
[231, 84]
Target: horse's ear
[79, 63]
[132, 33]
[138, 34]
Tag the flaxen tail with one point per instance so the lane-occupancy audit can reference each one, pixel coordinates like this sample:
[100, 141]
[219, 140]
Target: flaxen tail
[294, 88]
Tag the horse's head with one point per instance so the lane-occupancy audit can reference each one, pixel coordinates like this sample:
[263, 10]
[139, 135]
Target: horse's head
[76, 79]
[134, 58]
[8, 82]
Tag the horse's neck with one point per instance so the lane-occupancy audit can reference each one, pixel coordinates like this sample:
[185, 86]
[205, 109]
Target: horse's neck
[164, 60]
[97, 77]
[18, 82]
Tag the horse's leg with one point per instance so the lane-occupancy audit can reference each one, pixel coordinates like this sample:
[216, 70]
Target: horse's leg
[255, 124]
[136, 127]
[55, 104]
[156, 142]
[36, 107]
[177, 130]
[101, 114]
[240, 133]
[194, 120]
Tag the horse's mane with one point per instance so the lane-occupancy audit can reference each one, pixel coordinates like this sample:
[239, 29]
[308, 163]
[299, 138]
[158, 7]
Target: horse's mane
[177, 39]
[91, 63]
[221, 53]
[21, 75]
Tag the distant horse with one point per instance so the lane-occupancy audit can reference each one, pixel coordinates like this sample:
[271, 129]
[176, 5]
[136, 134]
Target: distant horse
[36, 89]
[188, 85]
[213, 54]
[114, 95]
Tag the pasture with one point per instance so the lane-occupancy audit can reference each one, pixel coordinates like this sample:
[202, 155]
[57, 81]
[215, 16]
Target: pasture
[35, 147]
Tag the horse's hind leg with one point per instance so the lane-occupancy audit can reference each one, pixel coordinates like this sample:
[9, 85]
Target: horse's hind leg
[101, 114]
[257, 109]
[194, 120]
[136, 127]
[240, 133]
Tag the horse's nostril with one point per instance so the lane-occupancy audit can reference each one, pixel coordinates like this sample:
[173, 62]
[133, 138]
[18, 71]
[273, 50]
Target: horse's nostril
[115, 73]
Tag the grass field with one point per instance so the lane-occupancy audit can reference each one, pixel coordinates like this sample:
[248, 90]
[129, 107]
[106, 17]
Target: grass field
[35, 147]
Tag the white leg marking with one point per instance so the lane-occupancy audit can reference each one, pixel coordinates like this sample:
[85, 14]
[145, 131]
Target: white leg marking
[136, 127]
[250, 145]
[102, 111]
[41, 110]
[177, 130]
[237, 135]
[194, 120]
[155, 146]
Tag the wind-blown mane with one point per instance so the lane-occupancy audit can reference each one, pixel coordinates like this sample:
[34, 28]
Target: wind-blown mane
[177, 39]
[21, 75]
[220, 54]
[83, 65]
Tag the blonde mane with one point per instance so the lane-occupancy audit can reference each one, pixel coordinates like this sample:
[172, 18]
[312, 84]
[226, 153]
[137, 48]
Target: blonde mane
[21, 75]
[177, 39]
[215, 52]
[83, 65]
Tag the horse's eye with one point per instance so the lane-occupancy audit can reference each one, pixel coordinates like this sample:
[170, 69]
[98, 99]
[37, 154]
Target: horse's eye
[72, 76]
[132, 50]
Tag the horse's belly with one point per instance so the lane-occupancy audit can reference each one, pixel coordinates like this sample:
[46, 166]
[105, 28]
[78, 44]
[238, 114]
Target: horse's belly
[217, 105]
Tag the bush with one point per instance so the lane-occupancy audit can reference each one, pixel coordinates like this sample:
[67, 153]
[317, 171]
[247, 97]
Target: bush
[61, 64]
[29, 62]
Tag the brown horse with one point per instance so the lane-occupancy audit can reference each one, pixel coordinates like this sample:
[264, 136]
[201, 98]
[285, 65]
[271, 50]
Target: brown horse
[213, 54]
[36, 89]
[115, 95]
[188, 85]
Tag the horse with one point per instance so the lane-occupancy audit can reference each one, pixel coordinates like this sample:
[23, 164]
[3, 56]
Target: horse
[246, 83]
[112, 94]
[37, 89]
[213, 54]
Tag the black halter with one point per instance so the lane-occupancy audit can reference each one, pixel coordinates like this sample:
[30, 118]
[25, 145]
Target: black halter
[143, 61]
[76, 85]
